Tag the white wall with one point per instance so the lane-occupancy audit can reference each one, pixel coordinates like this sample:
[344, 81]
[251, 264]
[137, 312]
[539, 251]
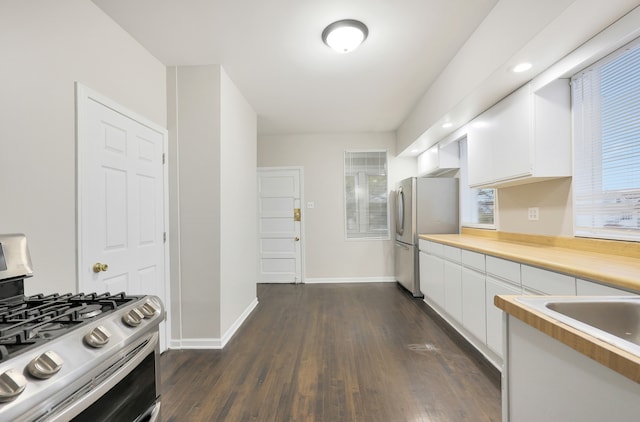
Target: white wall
[45, 47]
[554, 198]
[327, 253]
[238, 199]
[196, 127]
[213, 130]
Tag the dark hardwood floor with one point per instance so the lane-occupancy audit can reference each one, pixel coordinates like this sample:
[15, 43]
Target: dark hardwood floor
[332, 352]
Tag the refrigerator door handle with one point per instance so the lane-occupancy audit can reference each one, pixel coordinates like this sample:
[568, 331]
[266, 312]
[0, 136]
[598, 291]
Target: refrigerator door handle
[400, 212]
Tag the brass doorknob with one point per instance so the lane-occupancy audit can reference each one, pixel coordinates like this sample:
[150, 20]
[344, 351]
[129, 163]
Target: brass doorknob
[297, 239]
[98, 267]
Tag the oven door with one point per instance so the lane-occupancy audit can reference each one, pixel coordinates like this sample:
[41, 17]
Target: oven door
[127, 392]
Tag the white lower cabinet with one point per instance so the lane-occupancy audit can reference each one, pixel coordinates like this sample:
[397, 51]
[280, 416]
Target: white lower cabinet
[474, 314]
[494, 314]
[453, 290]
[462, 284]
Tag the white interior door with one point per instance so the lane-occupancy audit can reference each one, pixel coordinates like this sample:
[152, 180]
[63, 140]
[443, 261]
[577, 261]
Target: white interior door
[280, 238]
[121, 189]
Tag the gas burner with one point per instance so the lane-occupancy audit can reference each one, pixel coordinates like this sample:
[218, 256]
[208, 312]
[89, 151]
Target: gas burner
[46, 331]
[90, 311]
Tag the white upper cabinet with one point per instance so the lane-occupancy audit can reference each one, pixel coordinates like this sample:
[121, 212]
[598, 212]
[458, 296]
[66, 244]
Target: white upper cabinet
[439, 160]
[524, 138]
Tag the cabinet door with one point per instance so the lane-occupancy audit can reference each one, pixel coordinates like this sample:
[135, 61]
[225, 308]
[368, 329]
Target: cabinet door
[432, 278]
[435, 286]
[494, 314]
[474, 304]
[500, 143]
[453, 290]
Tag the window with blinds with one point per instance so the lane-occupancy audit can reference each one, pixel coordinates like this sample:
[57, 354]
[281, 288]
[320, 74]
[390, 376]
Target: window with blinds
[477, 206]
[606, 124]
[365, 195]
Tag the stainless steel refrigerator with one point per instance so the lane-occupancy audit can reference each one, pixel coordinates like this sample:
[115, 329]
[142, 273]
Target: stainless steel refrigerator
[423, 206]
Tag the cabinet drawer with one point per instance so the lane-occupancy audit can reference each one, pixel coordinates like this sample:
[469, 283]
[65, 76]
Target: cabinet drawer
[422, 245]
[506, 270]
[452, 254]
[473, 260]
[434, 248]
[548, 282]
[588, 288]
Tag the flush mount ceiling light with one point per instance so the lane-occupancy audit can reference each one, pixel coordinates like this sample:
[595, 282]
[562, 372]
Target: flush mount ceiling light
[345, 35]
[522, 67]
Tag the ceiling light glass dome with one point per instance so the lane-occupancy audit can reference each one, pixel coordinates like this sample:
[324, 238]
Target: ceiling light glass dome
[345, 35]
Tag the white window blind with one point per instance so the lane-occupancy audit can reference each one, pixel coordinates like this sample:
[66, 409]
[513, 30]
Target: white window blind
[606, 124]
[365, 195]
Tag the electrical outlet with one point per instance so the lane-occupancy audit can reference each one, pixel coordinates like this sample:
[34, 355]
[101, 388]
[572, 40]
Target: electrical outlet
[534, 214]
[311, 204]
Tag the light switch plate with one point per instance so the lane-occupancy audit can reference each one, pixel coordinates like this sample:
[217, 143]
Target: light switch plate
[311, 204]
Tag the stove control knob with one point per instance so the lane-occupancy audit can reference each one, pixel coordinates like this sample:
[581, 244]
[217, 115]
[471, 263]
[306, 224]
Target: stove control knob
[46, 365]
[12, 383]
[97, 337]
[149, 309]
[133, 318]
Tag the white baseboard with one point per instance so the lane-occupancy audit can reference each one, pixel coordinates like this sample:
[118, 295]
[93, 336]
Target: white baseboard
[214, 343]
[196, 343]
[238, 323]
[318, 280]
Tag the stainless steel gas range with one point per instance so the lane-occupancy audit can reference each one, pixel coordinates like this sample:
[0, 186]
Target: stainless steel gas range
[74, 357]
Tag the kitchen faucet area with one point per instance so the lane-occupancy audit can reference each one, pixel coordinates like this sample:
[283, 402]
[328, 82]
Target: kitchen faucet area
[320, 211]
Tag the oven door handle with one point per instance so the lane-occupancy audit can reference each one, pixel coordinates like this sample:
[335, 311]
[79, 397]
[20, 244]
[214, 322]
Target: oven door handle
[151, 415]
[96, 392]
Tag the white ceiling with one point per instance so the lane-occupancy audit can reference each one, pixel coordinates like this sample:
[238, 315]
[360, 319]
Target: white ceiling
[273, 52]
[425, 61]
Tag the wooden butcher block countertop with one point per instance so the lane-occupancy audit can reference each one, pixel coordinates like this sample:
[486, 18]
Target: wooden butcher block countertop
[607, 261]
[612, 262]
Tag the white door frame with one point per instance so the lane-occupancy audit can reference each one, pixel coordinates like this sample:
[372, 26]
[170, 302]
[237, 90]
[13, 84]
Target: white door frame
[83, 96]
[303, 238]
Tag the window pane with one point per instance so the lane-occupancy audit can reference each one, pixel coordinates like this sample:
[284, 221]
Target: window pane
[484, 205]
[365, 191]
[606, 119]
[477, 205]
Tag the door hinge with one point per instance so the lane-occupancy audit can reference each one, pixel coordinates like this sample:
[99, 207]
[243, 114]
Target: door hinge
[163, 158]
[164, 237]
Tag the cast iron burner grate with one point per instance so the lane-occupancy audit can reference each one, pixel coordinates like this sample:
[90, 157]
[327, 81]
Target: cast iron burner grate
[33, 320]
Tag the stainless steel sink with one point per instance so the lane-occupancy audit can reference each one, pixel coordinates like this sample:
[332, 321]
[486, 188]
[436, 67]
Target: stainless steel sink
[615, 320]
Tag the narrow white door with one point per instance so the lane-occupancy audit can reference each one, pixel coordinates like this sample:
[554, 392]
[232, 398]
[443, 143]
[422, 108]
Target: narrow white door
[279, 225]
[121, 208]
